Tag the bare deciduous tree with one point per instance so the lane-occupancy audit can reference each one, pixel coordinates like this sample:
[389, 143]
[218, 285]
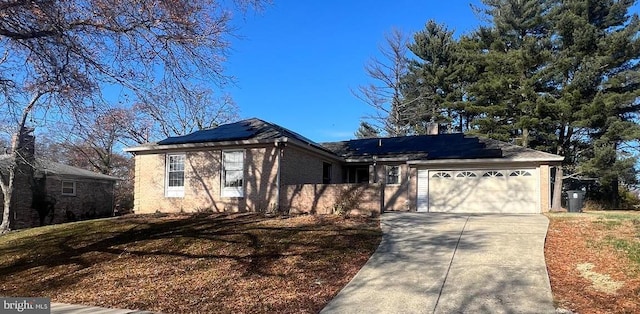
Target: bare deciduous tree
[182, 112]
[384, 93]
[59, 54]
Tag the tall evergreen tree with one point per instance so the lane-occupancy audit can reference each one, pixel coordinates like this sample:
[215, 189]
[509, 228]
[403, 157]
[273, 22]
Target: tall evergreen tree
[434, 82]
[366, 130]
[509, 94]
[557, 75]
[596, 66]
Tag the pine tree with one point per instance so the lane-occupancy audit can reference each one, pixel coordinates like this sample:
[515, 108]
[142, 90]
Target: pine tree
[367, 130]
[598, 84]
[434, 83]
[508, 97]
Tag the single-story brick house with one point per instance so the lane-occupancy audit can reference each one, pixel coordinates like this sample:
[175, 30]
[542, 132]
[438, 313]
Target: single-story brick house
[47, 192]
[254, 165]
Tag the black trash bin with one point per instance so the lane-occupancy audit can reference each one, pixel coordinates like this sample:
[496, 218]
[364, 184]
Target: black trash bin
[576, 200]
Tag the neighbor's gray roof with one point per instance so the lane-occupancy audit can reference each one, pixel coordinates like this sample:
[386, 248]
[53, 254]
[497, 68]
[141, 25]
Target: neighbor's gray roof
[49, 167]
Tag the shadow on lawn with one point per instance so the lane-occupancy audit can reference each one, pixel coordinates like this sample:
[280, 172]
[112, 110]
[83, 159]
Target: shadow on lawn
[255, 246]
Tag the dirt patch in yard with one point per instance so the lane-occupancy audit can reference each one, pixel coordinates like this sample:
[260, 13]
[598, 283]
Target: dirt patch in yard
[243, 263]
[590, 259]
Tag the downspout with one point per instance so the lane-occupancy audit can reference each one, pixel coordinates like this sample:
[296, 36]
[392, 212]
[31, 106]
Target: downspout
[407, 183]
[113, 199]
[375, 180]
[280, 149]
[375, 169]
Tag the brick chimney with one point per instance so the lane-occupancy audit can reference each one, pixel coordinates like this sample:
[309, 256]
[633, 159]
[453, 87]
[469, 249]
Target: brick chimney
[432, 128]
[26, 143]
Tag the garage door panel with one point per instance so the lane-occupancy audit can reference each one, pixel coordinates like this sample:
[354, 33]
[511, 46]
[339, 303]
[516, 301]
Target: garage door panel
[446, 196]
[522, 184]
[482, 191]
[496, 197]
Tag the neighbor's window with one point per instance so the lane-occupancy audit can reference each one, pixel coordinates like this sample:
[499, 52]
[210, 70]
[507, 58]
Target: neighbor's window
[175, 175]
[69, 188]
[393, 174]
[233, 173]
[326, 173]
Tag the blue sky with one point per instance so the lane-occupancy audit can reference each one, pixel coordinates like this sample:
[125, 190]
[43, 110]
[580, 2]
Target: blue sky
[298, 60]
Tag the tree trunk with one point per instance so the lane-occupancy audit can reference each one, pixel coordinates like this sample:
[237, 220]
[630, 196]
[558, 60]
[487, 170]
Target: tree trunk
[525, 137]
[615, 194]
[7, 180]
[556, 202]
[7, 192]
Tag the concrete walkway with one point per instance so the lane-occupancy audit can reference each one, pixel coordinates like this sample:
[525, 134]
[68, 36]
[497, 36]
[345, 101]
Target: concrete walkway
[447, 263]
[63, 308]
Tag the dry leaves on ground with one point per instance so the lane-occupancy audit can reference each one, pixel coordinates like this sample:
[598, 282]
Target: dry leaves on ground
[243, 263]
[588, 274]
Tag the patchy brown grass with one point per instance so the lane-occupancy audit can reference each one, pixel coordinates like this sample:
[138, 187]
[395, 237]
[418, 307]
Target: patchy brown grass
[241, 263]
[593, 261]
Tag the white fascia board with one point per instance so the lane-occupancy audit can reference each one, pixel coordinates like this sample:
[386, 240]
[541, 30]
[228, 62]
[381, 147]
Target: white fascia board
[151, 148]
[554, 160]
[376, 159]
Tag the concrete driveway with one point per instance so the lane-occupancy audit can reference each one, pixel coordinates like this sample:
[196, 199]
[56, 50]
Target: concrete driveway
[448, 263]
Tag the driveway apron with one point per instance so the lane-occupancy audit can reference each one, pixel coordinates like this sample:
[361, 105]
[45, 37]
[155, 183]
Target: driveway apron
[453, 263]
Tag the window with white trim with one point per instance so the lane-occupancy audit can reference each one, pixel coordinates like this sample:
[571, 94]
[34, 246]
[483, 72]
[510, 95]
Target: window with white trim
[175, 175]
[393, 174]
[233, 173]
[69, 188]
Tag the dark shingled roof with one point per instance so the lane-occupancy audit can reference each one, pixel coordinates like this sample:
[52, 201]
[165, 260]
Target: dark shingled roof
[49, 167]
[417, 147]
[441, 146]
[253, 128]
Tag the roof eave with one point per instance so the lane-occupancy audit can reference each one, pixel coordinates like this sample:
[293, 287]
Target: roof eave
[152, 148]
[288, 140]
[375, 158]
[81, 177]
[550, 161]
[48, 172]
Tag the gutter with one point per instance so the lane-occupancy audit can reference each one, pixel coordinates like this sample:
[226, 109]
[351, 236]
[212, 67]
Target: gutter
[159, 148]
[375, 158]
[484, 160]
[156, 147]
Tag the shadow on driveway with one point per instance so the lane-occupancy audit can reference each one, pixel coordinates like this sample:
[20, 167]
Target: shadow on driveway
[451, 263]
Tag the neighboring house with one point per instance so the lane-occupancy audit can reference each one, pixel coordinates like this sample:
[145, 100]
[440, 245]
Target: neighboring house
[253, 165]
[47, 192]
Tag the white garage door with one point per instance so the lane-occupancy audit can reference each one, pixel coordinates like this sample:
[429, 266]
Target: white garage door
[479, 191]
